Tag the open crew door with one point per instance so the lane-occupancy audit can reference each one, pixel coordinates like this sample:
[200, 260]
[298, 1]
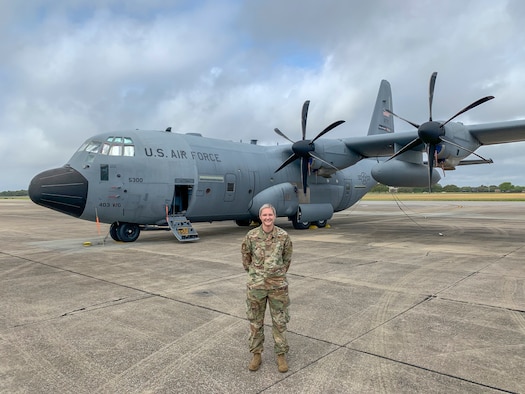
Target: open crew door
[181, 198]
[179, 224]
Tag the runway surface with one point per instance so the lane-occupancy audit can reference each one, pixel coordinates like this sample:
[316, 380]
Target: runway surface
[420, 297]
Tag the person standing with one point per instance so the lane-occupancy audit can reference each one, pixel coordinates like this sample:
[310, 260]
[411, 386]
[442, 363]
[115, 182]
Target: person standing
[266, 256]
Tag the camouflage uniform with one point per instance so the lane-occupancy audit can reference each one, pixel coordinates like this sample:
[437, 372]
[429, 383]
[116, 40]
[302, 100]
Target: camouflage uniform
[266, 258]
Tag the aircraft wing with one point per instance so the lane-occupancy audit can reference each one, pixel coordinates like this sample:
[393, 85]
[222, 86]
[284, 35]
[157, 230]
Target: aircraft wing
[498, 133]
[487, 134]
[379, 144]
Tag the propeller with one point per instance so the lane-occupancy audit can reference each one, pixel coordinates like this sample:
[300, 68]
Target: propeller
[432, 133]
[304, 149]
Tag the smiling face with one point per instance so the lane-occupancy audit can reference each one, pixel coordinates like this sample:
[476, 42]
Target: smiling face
[267, 219]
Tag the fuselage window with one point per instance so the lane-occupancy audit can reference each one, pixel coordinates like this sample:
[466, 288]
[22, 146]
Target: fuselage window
[230, 187]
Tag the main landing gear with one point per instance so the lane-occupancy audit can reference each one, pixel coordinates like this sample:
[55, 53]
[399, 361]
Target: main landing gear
[124, 232]
[299, 225]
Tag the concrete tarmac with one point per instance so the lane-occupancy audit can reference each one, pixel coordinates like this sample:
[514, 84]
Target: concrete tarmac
[413, 297]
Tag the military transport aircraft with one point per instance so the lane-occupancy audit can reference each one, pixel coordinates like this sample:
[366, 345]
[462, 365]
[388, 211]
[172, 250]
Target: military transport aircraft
[137, 180]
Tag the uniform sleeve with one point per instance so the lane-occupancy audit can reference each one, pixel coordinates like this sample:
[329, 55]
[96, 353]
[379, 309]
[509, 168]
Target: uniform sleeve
[246, 254]
[287, 252]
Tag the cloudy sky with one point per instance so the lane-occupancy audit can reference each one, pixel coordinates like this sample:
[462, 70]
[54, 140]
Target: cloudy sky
[236, 69]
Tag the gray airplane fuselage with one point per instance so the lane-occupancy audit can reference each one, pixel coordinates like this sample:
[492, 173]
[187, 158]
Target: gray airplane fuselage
[141, 178]
[142, 175]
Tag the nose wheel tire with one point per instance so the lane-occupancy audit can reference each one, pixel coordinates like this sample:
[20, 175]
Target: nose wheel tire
[124, 232]
[113, 231]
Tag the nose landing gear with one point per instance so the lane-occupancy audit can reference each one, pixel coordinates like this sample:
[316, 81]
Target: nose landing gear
[124, 232]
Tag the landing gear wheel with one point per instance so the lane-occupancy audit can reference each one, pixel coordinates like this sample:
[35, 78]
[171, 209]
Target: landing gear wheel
[321, 223]
[113, 231]
[128, 232]
[243, 223]
[298, 225]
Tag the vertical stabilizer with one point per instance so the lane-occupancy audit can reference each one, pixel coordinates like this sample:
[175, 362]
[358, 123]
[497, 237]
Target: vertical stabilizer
[382, 122]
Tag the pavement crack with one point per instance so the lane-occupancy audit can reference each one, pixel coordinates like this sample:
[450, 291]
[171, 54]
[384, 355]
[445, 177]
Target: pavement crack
[434, 371]
[482, 304]
[105, 304]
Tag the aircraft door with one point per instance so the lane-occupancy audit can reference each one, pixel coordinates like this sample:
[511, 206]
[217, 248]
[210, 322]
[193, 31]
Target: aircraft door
[253, 183]
[181, 196]
[347, 194]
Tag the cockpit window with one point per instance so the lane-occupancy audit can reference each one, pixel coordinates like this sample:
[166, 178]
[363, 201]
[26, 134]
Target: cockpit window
[113, 146]
[129, 150]
[105, 148]
[92, 146]
[115, 150]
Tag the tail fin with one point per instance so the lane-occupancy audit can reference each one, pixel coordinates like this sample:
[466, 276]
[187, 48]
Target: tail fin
[382, 122]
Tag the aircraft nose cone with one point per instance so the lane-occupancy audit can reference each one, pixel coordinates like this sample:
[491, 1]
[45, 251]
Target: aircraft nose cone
[62, 189]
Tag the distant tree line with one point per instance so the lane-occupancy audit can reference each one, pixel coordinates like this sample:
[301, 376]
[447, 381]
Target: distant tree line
[505, 187]
[16, 193]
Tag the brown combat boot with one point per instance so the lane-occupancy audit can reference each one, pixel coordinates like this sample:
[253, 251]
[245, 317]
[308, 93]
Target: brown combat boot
[256, 362]
[281, 363]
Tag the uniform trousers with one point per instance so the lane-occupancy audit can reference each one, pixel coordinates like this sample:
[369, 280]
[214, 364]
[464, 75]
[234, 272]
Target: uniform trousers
[278, 301]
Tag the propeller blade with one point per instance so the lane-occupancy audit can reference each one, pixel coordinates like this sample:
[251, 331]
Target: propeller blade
[468, 150]
[326, 130]
[323, 161]
[292, 158]
[431, 153]
[408, 121]
[469, 107]
[304, 165]
[304, 116]
[282, 135]
[410, 145]
[432, 133]
[303, 148]
[431, 93]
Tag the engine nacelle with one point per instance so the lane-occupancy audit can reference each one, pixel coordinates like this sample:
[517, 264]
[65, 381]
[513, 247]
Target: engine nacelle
[282, 196]
[401, 173]
[314, 212]
[334, 152]
[449, 155]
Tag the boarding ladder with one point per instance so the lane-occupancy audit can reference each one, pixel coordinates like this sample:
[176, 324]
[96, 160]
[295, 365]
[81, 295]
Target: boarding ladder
[182, 228]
